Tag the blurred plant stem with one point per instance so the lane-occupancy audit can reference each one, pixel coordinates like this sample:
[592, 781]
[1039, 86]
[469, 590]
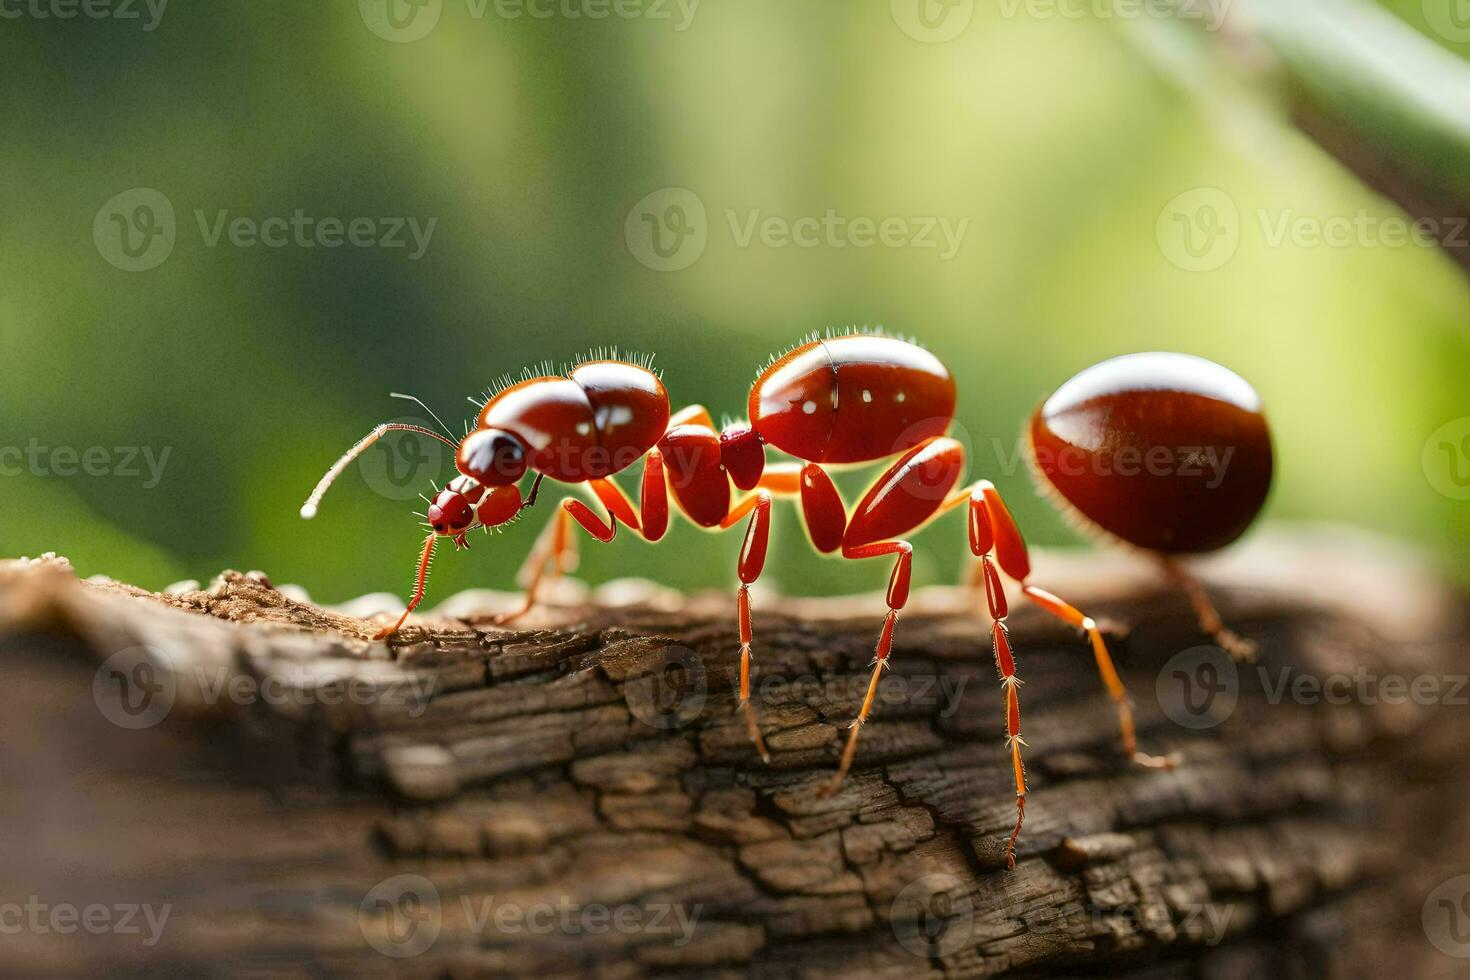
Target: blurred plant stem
[1384, 100]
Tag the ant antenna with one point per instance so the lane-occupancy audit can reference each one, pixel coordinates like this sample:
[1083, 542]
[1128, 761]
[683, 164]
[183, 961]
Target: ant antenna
[308, 509]
[414, 399]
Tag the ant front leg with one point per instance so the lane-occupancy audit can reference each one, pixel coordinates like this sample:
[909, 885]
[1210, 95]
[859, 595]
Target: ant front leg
[420, 581]
[558, 552]
[825, 516]
[752, 561]
[1239, 647]
[553, 554]
[991, 524]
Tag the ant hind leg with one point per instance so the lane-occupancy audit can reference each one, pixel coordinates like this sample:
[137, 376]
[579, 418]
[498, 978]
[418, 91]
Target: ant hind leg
[897, 598]
[1240, 648]
[993, 521]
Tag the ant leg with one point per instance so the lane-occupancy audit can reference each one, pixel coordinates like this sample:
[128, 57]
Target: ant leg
[1005, 665]
[653, 498]
[991, 524]
[1239, 647]
[752, 561]
[418, 589]
[897, 598]
[555, 553]
[782, 479]
[558, 554]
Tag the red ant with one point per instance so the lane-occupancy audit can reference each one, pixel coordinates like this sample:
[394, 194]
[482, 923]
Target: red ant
[851, 399]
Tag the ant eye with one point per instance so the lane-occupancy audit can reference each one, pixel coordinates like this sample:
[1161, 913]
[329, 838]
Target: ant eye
[494, 457]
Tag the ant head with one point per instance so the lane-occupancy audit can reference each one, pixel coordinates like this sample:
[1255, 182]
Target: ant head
[493, 457]
[451, 513]
[464, 504]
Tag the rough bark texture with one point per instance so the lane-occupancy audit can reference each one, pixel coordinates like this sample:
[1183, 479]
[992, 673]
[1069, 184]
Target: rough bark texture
[533, 778]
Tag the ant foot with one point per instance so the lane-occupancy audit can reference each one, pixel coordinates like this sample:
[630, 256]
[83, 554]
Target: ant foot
[831, 786]
[754, 729]
[502, 619]
[1241, 649]
[1170, 761]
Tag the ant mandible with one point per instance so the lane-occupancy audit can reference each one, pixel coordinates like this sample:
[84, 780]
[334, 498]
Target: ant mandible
[850, 399]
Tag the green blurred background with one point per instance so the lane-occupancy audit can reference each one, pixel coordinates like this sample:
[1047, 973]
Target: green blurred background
[529, 141]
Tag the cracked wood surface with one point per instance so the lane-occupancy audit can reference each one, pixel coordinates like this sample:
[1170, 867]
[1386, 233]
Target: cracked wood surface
[579, 797]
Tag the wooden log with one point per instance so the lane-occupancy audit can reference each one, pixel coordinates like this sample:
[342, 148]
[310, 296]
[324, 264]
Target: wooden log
[271, 793]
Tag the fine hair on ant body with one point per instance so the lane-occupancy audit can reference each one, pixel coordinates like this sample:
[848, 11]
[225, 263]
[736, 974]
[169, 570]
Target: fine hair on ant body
[854, 398]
